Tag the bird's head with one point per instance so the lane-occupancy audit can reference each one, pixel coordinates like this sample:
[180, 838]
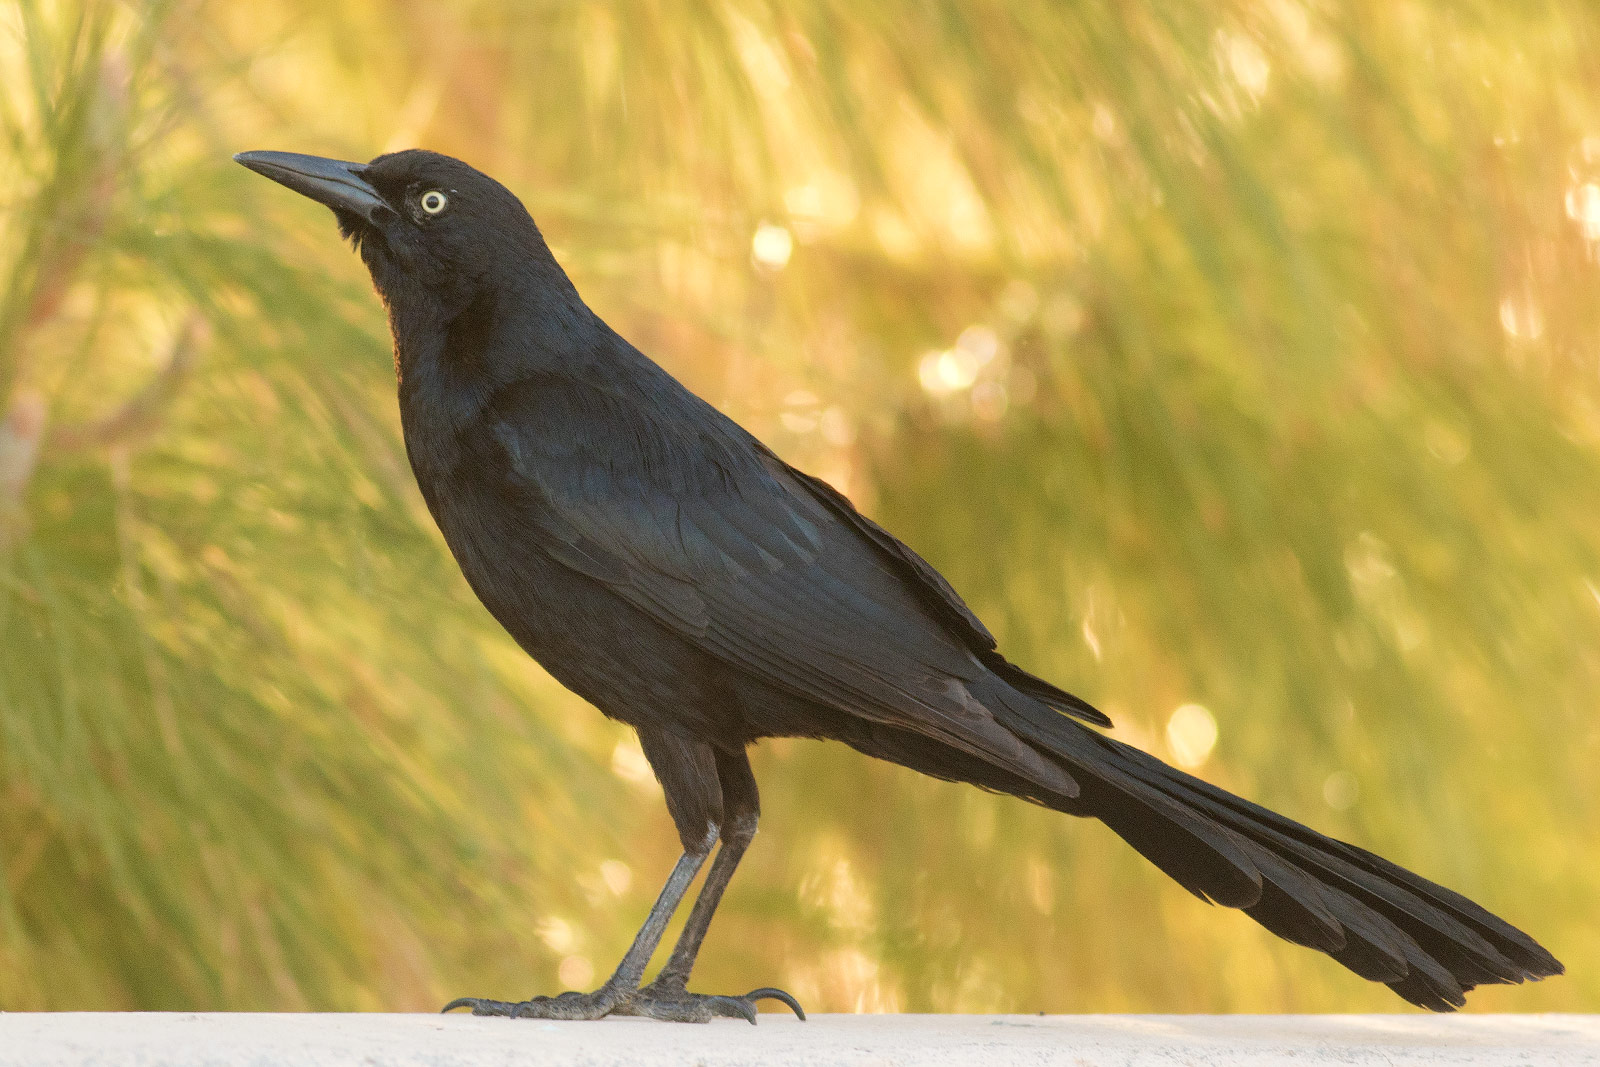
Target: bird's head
[432, 230]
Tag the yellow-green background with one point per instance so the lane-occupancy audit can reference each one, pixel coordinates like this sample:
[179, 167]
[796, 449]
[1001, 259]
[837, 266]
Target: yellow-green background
[1293, 413]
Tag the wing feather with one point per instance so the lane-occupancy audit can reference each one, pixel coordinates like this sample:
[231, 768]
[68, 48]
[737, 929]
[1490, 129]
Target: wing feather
[750, 565]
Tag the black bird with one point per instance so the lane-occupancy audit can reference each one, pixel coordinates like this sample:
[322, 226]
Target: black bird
[667, 567]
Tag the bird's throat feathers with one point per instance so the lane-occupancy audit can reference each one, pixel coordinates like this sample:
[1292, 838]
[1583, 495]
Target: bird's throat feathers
[517, 311]
[454, 351]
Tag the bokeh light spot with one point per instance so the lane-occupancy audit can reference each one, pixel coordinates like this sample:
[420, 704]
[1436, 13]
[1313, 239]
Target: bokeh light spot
[1340, 790]
[989, 401]
[617, 876]
[772, 246]
[1191, 735]
[1583, 208]
[575, 972]
[1521, 318]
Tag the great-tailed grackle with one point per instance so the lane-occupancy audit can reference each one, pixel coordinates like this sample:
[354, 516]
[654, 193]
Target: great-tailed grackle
[666, 566]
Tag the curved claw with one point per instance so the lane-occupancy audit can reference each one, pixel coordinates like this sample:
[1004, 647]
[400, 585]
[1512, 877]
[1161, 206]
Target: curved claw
[733, 1007]
[480, 1006]
[771, 993]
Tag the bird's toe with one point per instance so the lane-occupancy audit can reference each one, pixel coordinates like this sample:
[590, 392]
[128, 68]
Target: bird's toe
[567, 1006]
[672, 1004]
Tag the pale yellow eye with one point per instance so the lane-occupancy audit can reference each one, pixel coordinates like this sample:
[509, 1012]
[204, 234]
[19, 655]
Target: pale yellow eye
[433, 201]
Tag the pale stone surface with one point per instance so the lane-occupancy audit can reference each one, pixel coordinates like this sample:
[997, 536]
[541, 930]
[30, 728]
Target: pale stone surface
[242, 1040]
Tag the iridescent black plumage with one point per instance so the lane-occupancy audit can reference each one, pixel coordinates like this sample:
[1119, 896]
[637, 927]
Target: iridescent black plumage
[666, 566]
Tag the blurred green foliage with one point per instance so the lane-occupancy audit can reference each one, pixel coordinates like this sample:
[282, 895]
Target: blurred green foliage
[1241, 355]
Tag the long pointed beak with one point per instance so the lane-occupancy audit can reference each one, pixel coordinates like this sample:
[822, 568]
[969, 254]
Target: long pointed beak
[333, 182]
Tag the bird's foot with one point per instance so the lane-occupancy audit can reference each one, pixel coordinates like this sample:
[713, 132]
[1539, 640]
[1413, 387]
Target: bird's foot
[666, 1001]
[670, 1002]
[570, 1006]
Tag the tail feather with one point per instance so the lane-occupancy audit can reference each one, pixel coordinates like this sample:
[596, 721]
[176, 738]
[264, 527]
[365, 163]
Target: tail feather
[1206, 859]
[1049, 695]
[1427, 943]
[1522, 949]
[1481, 947]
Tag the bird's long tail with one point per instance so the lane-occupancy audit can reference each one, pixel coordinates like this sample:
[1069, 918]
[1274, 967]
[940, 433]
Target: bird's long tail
[1427, 943]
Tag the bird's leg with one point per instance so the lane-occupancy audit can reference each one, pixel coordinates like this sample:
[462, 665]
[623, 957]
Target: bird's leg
[666, 997]
[625, 980]
[735, 840]
[703, 787]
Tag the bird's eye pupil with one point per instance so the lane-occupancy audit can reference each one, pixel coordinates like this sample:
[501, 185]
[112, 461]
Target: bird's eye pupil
[433, 201]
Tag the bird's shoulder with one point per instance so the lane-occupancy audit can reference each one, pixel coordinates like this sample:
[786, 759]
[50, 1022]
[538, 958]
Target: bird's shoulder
[646, 468]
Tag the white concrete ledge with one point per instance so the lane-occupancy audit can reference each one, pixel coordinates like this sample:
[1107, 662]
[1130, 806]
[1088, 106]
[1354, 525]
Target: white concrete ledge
[72, 1039]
